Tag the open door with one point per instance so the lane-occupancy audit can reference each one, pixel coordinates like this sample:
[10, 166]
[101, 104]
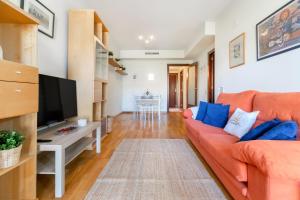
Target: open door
[193, 85]
[173, 90]
[181, 90]
[211, 77]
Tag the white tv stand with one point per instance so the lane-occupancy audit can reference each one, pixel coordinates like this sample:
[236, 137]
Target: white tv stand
[55, 155]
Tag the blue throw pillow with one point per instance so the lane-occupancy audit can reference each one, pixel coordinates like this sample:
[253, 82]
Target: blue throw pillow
[284, 131]
[217, 115]
[260, 130]
[202, 111]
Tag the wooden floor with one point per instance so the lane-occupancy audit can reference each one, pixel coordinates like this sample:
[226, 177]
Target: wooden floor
[83, 171]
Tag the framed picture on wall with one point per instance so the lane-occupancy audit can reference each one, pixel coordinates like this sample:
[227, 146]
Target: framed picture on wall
[16, 2]
[279, 32]
[43, 14]
[237, 51]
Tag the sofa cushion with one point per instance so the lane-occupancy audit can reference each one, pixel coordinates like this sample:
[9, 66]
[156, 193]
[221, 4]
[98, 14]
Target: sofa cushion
[216, 115]
[194, 111]
[188, 114]
[260, 129]
[219, 147]
[241, 100]
[240, 122]
[284, 131]
[284, 106]
[198, 127]
[202, 111]
[277, 159]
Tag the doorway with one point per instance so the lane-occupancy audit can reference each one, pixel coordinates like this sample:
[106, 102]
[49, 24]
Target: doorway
[211, 77]
[181, 90]
[173, 90]
[185, 91]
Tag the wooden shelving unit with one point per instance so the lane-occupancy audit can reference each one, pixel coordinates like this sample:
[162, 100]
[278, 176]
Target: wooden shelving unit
[88, 62]
[112, 62]
[19, 97]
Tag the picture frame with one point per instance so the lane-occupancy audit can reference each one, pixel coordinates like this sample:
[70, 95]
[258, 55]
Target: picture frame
[237, 51]
[279, 32]
[17, 3]
[46, 17]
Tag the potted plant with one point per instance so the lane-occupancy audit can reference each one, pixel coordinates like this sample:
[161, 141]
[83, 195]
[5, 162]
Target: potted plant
[10, 148]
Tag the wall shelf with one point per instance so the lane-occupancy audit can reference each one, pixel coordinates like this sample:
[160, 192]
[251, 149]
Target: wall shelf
[122, 72]
[112, 62]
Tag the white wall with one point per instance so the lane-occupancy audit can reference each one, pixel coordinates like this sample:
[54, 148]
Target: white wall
[142, 68]
[53, 54]
[279, 73]
[115, 93]
[203, 72]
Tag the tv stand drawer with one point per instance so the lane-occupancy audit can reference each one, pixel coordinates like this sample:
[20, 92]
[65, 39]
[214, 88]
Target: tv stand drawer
[18, 99]
[15, 72]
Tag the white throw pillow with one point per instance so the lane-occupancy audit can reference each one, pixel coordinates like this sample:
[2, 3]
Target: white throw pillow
[194, 111]
[240, 122]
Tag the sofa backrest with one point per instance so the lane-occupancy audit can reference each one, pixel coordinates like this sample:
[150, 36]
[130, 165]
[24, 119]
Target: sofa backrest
[243, 100]
[284, 106]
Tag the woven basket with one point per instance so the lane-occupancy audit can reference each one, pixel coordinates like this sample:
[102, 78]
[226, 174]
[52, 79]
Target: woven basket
[9, 158]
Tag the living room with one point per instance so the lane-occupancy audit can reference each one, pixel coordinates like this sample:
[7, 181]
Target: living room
[89, 110]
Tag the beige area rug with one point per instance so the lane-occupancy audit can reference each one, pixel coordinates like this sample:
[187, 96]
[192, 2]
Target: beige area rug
[154, 169]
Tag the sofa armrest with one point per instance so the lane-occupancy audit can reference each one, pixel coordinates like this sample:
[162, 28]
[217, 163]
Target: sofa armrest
[278, 159]
[188, 114]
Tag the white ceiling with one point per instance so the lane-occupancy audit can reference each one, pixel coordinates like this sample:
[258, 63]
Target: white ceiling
[176, 24]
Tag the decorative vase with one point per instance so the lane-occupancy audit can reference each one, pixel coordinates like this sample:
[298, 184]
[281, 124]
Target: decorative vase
[11, 157]
[1, 53]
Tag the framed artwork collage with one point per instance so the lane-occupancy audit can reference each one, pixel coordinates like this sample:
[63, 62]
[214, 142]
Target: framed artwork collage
[276, 34]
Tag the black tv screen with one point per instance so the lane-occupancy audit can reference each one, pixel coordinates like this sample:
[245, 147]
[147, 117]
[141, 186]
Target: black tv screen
[57, 100]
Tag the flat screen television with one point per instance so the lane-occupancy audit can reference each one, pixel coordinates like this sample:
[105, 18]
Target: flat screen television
[57, 100]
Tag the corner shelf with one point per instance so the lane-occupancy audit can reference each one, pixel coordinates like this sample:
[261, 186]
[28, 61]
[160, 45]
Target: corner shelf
[112, 62]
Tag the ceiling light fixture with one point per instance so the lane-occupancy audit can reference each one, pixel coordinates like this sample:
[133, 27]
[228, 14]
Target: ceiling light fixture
[141, 37]
[147, 40]
[151, 37]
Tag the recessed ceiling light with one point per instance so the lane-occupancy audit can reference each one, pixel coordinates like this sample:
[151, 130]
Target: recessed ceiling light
[147, 41]
[151, 37]
[141, 37]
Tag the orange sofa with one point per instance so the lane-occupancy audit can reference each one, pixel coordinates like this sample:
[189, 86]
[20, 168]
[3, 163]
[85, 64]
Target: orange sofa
[255, 170]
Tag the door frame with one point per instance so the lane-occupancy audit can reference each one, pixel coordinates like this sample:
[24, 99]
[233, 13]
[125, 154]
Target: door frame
[211, 82]
[187, 81]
